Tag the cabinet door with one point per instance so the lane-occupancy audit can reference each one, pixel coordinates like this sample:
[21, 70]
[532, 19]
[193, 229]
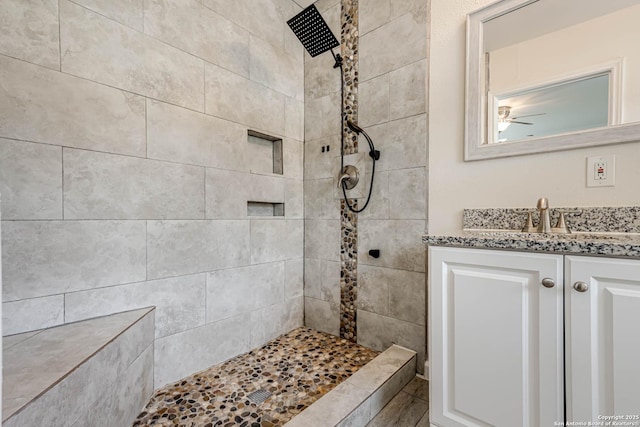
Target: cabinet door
[495, 345]
[603, 338]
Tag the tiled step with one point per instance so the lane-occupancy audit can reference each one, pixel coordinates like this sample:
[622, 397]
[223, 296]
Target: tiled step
[357, 400]
[95, 372]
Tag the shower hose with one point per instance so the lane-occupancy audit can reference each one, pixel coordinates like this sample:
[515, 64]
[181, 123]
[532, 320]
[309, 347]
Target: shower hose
[373, 153]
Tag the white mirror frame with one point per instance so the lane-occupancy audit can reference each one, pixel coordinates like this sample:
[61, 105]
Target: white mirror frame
[475, 104]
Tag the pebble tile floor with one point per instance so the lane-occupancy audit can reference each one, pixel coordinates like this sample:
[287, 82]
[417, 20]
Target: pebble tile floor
[297, 368]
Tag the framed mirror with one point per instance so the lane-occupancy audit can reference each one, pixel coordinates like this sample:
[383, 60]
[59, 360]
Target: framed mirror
[550, 75]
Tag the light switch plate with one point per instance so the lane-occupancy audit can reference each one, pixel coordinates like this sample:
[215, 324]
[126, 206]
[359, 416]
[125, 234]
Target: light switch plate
[601, 171]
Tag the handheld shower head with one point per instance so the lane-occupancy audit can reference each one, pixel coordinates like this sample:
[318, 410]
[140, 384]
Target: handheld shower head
[354, 127]
[375, 154]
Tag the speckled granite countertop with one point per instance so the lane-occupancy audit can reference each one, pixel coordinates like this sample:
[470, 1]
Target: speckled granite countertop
[614, 244]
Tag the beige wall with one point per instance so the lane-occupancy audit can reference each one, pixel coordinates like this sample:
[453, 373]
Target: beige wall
[510, 182]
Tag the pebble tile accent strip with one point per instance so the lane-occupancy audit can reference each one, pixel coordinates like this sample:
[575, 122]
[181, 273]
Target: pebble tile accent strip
[589, 219]
[349, 222]
[297, 368]
[348, 272]
[349, 51]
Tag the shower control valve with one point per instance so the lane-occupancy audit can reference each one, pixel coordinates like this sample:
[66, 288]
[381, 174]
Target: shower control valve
[349, 177]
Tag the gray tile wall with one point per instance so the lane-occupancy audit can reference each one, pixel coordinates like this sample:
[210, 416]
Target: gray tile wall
[392, 109]
[392, 105]
[124, 170]
[321, 207]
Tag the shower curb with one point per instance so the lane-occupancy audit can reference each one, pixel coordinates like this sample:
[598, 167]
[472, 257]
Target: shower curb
[362, 396]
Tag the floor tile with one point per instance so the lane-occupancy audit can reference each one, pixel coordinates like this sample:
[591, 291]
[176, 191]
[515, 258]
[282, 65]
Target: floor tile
[296, 369]
[404, 410]
[419, 388]
[424, 422]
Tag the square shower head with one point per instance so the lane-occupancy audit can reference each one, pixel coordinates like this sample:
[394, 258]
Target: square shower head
[312, 31]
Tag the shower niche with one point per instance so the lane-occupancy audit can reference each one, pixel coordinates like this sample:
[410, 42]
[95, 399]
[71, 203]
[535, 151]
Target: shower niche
[265, 197]
[265, 153]
[265, 209]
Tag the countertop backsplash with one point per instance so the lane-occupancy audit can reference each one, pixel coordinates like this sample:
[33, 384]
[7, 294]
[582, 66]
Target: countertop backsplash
[624, 219]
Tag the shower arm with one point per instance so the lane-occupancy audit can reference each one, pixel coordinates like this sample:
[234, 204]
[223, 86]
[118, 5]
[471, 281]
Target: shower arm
[338, 60]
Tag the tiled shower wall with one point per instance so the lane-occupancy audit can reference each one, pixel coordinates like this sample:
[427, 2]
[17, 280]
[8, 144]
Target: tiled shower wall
[125, 170]
[321, 198]
[392, 109]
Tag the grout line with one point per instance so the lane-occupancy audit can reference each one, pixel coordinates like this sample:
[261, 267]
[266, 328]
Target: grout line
[206, 289]
[76, 3]
[251, 242]
[62, 164]
[167, 220]
[244, 125]
[146, 250]
[146, 128]
[134, 156]
[206, 61]
[204, 87]
[59, 37]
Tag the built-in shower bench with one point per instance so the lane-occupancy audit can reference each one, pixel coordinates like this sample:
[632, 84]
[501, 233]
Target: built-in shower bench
[97, 372]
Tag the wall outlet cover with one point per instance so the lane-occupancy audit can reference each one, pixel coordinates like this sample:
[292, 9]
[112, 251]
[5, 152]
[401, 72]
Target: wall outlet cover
[601, 171]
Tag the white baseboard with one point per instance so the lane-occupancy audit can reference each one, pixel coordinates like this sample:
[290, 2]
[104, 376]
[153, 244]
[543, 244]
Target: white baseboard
[426, 371]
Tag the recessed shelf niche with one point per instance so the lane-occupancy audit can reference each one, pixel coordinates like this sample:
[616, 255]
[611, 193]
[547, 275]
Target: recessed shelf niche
[265, 209]
[265, 153]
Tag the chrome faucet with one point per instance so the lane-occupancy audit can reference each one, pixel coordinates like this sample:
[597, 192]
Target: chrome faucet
[544, 224]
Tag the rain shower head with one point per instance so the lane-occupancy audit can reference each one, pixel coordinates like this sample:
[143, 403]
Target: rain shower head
[312, 31]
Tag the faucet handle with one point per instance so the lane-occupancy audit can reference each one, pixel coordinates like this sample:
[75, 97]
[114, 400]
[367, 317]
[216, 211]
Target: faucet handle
[528, 225]
[562, 227]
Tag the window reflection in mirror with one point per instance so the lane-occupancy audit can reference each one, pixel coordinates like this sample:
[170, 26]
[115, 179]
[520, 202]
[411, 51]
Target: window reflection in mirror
[559, 67]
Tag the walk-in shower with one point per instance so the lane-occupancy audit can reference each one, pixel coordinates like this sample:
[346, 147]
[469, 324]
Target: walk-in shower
[316, 36]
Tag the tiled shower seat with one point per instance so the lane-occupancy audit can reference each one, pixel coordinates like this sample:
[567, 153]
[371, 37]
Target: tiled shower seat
[97, 372]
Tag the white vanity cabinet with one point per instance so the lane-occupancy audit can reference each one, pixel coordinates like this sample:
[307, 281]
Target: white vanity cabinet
[504, 325]
[602, 344]
[496, 342]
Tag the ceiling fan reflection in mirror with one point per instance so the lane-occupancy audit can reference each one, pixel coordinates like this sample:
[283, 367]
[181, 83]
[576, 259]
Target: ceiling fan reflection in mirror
[504, 121]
